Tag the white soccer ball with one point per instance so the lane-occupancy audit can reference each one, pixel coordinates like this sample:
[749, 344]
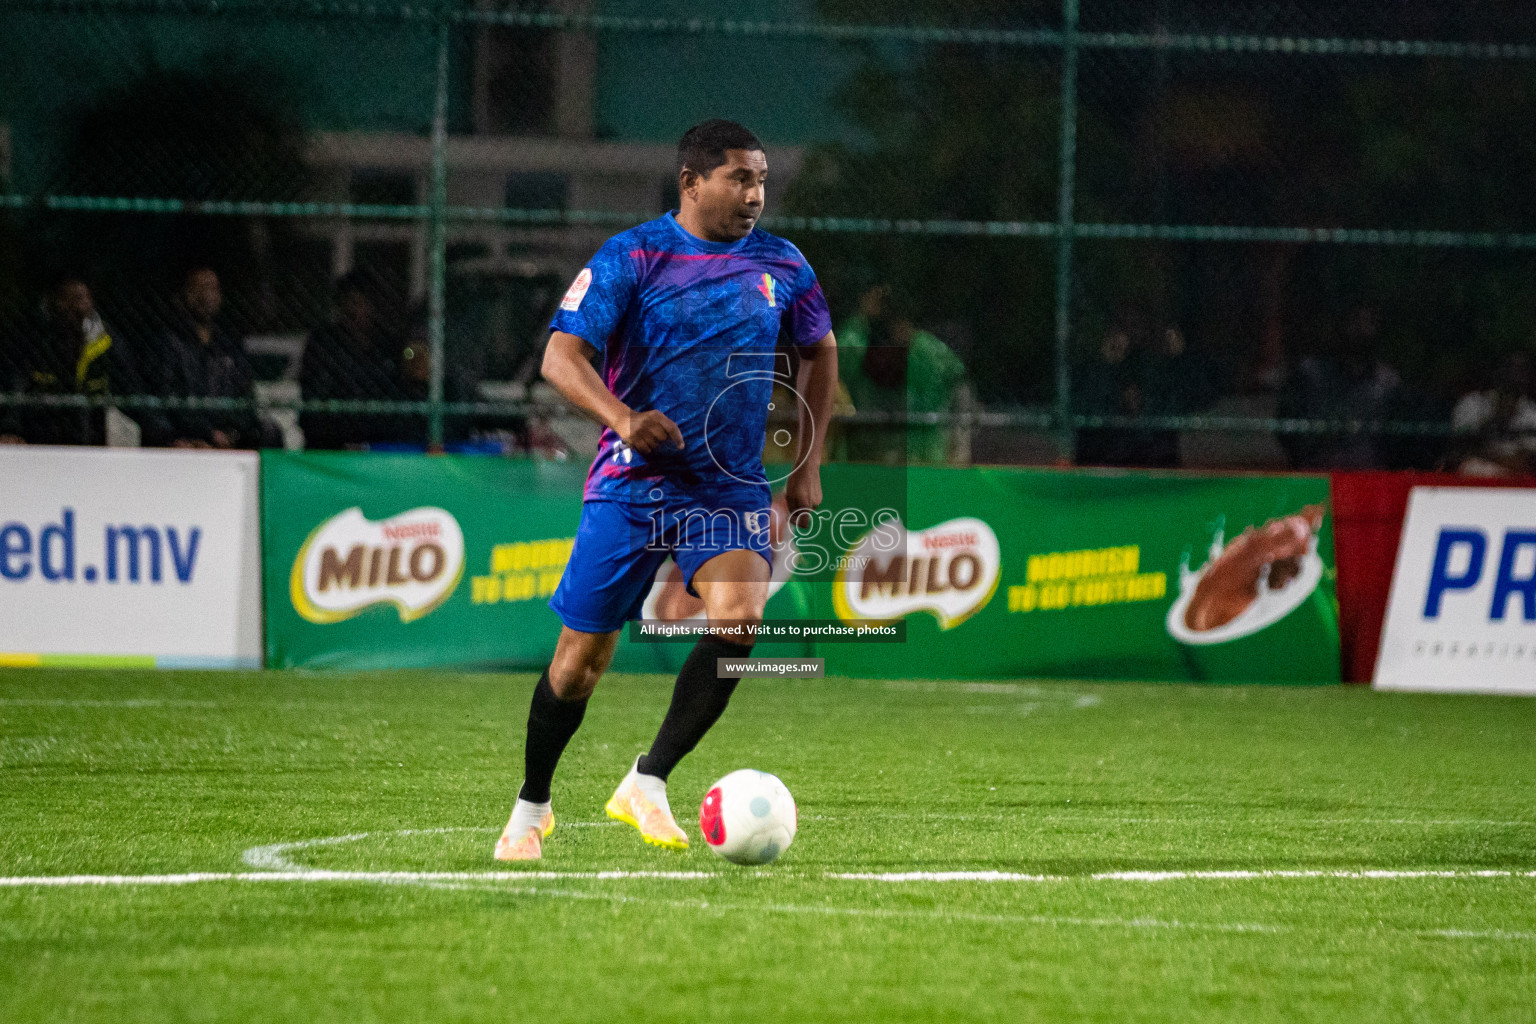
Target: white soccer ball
[748, 817]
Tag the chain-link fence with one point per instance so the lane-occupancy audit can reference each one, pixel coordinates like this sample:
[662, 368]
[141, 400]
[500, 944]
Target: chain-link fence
[1171, 232]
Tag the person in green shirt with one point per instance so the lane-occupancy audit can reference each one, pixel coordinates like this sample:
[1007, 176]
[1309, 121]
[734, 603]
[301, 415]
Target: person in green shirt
[890, 366]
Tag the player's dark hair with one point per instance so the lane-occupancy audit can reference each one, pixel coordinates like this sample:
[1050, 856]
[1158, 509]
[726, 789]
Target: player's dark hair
[702, 147]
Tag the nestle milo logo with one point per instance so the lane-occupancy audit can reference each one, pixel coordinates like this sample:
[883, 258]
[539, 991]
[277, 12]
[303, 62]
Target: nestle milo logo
[413, 560]
[949, 570]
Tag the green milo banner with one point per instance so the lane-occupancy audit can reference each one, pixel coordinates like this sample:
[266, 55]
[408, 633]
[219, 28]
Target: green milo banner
[395, 561]
[1083, 574]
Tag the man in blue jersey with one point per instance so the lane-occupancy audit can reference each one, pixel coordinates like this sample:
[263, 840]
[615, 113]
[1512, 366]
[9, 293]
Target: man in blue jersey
[684, 313]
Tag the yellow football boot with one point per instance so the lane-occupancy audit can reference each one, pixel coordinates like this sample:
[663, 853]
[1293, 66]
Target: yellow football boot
[529, 845]
[654, 821]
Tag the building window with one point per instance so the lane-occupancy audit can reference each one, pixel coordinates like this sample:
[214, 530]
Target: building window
[537, 190]
[515, 82]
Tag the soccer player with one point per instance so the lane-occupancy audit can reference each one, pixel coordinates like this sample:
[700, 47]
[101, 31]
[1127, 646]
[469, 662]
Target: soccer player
[685, 312]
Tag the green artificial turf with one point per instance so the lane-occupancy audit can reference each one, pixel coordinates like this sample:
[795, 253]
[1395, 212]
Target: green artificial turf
[123, 773]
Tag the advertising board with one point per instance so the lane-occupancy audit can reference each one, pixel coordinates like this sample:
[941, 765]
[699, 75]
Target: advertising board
[1462, 613]
[392, 561]
[380, 561]
[1012, 572]
[129, 558]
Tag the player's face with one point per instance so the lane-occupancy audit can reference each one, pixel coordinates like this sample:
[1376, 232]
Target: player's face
[730, 200]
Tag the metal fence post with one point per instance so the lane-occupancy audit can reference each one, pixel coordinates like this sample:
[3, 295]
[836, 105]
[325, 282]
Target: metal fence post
[437, 240]
[1066, 197]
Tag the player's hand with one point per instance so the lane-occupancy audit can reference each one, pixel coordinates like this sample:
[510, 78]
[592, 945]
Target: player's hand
[802, 495]
[644, 431]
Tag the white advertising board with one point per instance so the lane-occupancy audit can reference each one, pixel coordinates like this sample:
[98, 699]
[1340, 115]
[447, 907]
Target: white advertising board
[118, 557]
[1462, 614]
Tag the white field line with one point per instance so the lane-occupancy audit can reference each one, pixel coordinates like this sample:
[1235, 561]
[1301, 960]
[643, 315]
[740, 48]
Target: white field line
[1463, 933]
[1077, 697]
[1172, 876]
[309, 875]
[1087, 818]
[1422, 822]
[302, 874]
[129, 702]
[272, 864]
[274, 857]
[514, 882]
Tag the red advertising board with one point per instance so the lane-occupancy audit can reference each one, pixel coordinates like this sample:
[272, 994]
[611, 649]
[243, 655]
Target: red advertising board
[1368, 509]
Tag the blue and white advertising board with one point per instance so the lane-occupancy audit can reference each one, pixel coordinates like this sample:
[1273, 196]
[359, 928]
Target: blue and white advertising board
[130, 558]
[1462, 614]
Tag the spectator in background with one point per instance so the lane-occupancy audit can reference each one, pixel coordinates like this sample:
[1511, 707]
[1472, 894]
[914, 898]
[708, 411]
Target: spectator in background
[1503, 419]
[1176, 381]
[889, 366]
[416, 386]
[1347, 381]
[353, 358]
[198, 357]
[65, 350]
[1141, 371]
[1111, 386]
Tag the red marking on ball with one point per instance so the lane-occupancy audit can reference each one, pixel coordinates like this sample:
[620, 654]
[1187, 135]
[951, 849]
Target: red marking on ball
[710, 822]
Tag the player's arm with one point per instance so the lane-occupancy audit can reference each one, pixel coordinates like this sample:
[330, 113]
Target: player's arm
[568, 368]
[818, 386]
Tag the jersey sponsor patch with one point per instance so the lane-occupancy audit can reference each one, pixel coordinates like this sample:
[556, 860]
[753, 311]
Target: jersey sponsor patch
[577, 290]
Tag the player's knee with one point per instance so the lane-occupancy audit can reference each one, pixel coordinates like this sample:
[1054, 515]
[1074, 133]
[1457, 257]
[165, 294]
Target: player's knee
[573, 675]
[574, 682]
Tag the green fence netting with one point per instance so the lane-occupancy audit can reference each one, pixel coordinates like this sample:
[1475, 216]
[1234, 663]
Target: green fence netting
[1169, 232]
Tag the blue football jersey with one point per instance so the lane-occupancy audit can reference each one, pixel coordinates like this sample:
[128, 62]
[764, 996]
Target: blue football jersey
[688, 327]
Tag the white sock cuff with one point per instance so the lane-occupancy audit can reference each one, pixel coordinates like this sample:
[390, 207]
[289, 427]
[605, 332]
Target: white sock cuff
[653, 786]
[526, 815]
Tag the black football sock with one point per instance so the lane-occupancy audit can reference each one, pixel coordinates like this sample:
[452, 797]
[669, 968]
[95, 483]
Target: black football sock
[698, 700]
[551, 724]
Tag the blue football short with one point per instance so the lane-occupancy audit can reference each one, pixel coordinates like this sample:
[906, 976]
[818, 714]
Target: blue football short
[620, 545]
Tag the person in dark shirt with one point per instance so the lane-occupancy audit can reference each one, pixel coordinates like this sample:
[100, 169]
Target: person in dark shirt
[355, 358]
[1115, 384]
[1345, 380]
[65, 350]
[458, 386]
[198, 357]
[1142, 370]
